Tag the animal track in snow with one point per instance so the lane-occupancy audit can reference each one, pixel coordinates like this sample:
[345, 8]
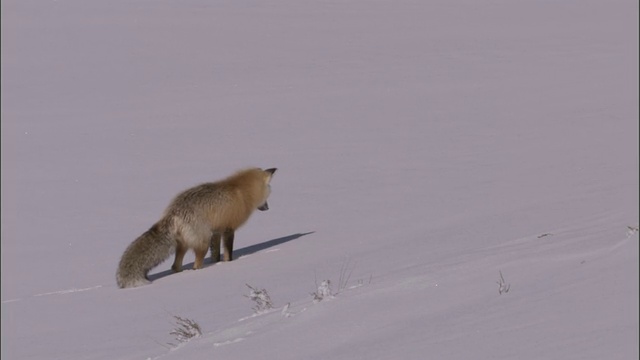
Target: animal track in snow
[228, 342]
[59, 292]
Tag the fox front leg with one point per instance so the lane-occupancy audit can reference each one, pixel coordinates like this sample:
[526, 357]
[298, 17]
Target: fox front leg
[228, 244]
[215, 247]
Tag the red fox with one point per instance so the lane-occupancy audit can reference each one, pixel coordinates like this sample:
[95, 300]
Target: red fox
[197, 218]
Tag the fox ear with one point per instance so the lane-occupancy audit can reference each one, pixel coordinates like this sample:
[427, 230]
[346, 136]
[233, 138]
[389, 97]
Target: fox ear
[271, 171]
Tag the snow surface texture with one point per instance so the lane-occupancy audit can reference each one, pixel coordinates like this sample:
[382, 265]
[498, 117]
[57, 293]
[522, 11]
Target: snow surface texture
[424, 148]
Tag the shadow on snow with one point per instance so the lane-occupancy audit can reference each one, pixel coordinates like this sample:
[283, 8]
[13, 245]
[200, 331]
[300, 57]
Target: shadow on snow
[237, 253]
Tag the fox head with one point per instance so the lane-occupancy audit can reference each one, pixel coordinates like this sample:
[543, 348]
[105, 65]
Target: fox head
[268, 174]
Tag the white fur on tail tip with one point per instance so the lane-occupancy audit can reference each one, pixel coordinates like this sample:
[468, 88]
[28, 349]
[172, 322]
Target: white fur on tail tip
[131, 283]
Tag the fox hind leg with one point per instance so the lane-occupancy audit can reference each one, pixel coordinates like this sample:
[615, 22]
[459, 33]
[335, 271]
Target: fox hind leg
[228, 244]
[177, 263]
[200, 254]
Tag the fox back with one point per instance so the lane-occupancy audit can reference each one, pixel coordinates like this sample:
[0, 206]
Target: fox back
[225, 204]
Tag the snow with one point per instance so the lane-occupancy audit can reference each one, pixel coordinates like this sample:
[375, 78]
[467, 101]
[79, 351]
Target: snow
[423, 149]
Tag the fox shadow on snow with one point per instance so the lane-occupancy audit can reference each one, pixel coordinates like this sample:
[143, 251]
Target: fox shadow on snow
[236, 253]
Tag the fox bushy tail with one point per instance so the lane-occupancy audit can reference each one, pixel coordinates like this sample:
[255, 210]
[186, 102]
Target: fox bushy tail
[144, 253]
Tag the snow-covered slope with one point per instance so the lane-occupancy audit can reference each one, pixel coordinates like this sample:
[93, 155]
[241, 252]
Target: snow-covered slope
[423, 148]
